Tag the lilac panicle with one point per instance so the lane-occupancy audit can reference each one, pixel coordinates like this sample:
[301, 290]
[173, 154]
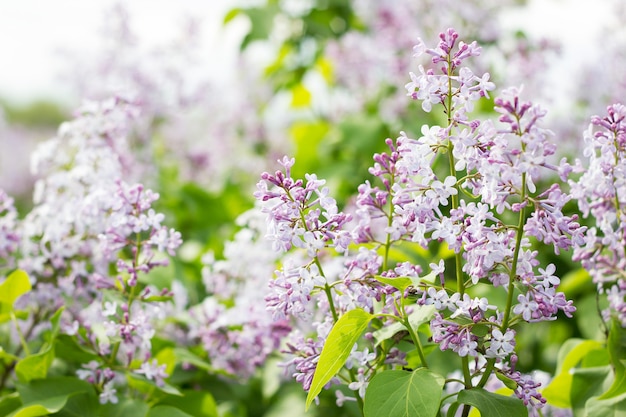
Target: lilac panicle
[601, 195]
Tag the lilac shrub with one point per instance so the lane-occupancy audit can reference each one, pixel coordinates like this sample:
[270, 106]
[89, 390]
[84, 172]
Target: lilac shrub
[95, 246]
[470, 187]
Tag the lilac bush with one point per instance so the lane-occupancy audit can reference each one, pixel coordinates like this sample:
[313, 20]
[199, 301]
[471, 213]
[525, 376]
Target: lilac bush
[416, 295]
[476, 188]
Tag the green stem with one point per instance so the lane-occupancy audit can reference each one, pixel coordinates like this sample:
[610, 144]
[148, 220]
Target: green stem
[458, 256]
[491, 362]
[513, 274]
[416, 341]
[19, 333]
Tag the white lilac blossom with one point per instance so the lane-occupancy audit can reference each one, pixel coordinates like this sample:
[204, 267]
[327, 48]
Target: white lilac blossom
[90, 236]
[601, 195]
[9, 237]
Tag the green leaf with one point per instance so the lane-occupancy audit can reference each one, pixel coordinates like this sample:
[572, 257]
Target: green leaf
[616, 345]
[588, 383]
[85, 404]
[7, 357]
[34, 366]
[404, 394]
[232, 13]
[45, 396]
[492, 405]
[9, 403]
[611, 407]
[147, 386]
[420, 314]
[195, 403]
[337, 348]
[68, 349]
[166, 411]
[399, 283]
[125, 408]
[508, 382]
[35, 411]
[557, 393]
[43, 390]
[261, 23]
[300, 96]
[16, 285]
[167, 357]
[185, 356]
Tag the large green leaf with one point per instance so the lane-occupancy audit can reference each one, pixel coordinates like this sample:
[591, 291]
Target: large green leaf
[404, 394]
[37, 410]
[45, 396]
[39, 391]
[9, 403]
[166, 411]
[611, 407]
[616, 345]
[337, 348]
[84, 404]
[36, 366]
[125, 408]
[557, 393]
[588, 383]
[492, 405]
[195, 403]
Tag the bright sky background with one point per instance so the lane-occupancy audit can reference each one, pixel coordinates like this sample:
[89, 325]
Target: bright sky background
[33, 31]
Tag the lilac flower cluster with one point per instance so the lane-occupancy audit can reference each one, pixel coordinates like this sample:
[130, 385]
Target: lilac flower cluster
[601, 195]
[88, 221]
[234, 314]
[9, 237]
[320, 278]
[458, 186]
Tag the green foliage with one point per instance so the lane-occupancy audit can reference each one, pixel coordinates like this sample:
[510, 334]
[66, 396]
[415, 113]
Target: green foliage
[571, 353]
[404, 394]
[13, 287]
[590, 376]
[36, 366]
[44, 396]
[38, 114]
[492, 405]
[344, 334]
[419, 315]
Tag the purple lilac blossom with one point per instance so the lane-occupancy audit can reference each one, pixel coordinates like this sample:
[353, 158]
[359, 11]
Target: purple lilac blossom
[601, 195]
[497, 165]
